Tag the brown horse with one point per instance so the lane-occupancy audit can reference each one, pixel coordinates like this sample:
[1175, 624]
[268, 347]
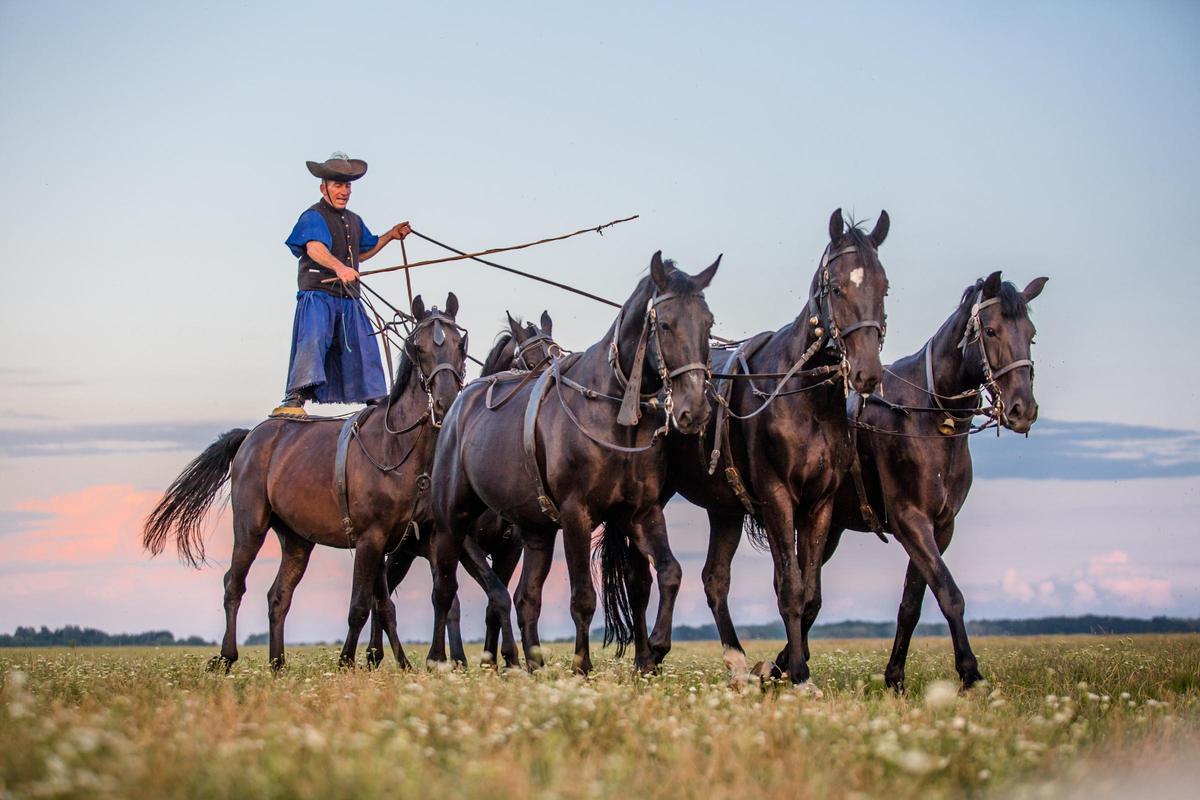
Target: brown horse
[523, 346]
[787, 448]
[913, 444]
[283, 478]
[592, 454]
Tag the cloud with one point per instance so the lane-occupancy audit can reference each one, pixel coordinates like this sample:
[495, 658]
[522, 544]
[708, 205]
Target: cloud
[1088, 451]
[1107, 579]
[121, 438]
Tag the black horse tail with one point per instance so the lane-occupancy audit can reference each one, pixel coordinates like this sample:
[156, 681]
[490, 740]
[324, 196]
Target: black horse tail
[612, 551]
[756, 532]
[189, 497]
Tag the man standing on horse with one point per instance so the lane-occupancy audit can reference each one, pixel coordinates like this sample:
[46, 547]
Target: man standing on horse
[334, 359]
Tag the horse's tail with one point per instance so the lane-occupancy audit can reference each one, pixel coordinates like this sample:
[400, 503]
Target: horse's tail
[756, 532]
[189, 497]
[612, 551]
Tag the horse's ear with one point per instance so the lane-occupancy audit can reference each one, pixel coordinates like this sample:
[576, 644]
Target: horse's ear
[547, 323]
[991, 285]
[837, 226]
[657, 271]
[881, 229]
[513, 327]
[705, 278]
[1034, 288]
[418, 308]
[452, 305]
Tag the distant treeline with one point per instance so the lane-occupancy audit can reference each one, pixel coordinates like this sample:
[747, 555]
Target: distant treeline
[74, 636]
[1040, 626]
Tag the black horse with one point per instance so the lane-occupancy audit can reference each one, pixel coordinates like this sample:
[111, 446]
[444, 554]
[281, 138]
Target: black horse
[913, 445]
[592, 455]
[522, 346]
[282, 478]
[786, 449]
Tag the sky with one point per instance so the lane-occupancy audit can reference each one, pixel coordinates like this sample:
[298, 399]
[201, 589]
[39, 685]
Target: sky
[155, 161]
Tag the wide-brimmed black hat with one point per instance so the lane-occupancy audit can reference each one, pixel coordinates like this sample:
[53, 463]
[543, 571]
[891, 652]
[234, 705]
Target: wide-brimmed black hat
[338, 167]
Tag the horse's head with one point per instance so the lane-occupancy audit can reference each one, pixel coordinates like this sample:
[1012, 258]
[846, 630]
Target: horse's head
[666, 325]
[846, 299]
[996, 346]
[437, 348]
[533, 345]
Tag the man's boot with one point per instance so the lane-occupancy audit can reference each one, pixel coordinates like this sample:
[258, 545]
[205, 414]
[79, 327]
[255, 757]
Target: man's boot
[292, 406]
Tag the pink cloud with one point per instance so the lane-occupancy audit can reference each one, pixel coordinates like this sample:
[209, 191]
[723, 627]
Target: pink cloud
[1015, 588]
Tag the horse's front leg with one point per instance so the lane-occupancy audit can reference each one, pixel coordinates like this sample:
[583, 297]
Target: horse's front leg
[499, 606]
[577, 538]
[812, 533]
[368, 561]
[445, 551]
[395, 567]
[778, 519]
[650, 535]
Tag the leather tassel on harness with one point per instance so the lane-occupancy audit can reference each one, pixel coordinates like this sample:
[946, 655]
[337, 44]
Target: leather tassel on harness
[631, 412]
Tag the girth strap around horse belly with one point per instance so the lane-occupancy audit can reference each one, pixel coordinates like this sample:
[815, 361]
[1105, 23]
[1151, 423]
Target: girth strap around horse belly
[349, 431]
[529, 439]
[721, 441]
[864, 505]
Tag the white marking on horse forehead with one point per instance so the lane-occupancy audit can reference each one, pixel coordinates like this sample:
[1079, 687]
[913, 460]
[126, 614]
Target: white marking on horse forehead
[856, 276]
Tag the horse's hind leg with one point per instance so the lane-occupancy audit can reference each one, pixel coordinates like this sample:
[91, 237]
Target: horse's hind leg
[725, 534]
[537, 555]
[504, 564]
[295, 554]
[638, 581]
[925, 546]
[250, 520]
[650, 535]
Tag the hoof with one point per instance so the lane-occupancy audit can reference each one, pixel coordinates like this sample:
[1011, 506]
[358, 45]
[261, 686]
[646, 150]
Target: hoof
[807, 689]
[404, 664]
[767, 671]
[971, 679]
[895, 684]
[219, 664]
[346, 663]
[277, 664]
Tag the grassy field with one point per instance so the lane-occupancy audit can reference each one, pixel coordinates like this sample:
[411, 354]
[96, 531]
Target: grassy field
[1061, 716]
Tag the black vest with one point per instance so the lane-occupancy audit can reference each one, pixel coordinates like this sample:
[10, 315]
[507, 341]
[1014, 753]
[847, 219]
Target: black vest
[346, 229]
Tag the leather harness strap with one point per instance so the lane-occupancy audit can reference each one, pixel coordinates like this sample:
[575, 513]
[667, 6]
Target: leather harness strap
[529, 439]
[349, 431]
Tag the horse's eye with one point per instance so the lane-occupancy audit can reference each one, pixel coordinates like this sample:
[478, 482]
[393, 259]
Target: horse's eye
[837, 291]
[665, 326]
[990, 331]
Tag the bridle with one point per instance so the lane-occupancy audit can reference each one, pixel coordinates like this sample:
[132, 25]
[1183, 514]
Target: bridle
[630, 406]
[438, 320]
[550, 350]
[972, 333]
[824, 321]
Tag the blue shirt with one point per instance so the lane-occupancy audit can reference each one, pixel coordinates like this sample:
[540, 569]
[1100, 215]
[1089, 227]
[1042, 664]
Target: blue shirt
[311, 227]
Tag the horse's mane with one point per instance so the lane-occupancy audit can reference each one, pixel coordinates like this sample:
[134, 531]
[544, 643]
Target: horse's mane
[404, 372]
[491, 364]
[1013, 304]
